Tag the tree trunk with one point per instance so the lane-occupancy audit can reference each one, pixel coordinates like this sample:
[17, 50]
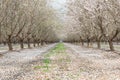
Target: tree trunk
[82, 43]
[111, 45]
[10, 44]
[38, 44]
[28, 42]
[21, 44]
[88, 44]
[98, 44]
[91, 44]
[4, 43]
[42, 43]
[34, 44]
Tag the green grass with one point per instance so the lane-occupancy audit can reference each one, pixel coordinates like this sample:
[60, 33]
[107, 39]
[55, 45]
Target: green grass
[59, 48]
[46, 63]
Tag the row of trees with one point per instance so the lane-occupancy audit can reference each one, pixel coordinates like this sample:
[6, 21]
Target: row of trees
[98, 21]
[26, 21]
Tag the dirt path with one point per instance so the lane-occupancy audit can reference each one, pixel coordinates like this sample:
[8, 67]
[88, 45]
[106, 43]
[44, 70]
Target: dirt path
[15, 64]
[96, 64]
[65, 62]
[79, 63]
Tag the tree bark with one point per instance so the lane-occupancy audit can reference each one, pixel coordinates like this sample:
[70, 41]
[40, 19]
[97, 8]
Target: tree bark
[82, 43]
[111, 45]
[21, 44]
[34, 44]
[28, 42]
[38, 44]
[91, 44]
[4, 43]
[10, 44]
[88, 44]
[42, 43]
[98, 44]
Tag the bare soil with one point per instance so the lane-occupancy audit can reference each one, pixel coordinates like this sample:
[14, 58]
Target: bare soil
[75, 63]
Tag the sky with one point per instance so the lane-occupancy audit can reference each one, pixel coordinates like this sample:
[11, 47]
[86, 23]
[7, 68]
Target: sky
[60, 7]
[59, 4]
